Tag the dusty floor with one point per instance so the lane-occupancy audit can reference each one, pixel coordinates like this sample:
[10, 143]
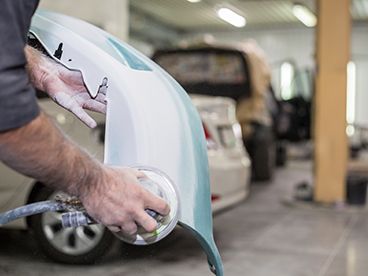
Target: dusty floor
[260, 237]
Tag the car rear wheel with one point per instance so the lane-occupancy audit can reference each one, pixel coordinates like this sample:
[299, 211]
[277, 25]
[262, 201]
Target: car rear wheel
[261, 149]
[281, 154]
[81, 245]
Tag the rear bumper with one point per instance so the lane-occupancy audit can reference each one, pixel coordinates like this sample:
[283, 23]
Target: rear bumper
[230, 179]
[229, 201]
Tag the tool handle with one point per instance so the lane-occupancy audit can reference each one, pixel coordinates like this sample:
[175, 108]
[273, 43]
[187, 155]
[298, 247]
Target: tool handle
[75, 219]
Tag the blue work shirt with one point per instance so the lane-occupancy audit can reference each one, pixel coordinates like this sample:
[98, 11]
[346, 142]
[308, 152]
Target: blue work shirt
[18, 103]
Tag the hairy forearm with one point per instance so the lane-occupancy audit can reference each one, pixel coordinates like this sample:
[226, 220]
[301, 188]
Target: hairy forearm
[39, 67]
[40, 150]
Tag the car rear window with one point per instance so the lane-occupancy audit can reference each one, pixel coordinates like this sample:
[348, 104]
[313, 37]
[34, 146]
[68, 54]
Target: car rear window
[200, 67]
[208, 72]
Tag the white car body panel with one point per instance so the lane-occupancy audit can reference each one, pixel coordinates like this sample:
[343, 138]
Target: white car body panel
[230, 168]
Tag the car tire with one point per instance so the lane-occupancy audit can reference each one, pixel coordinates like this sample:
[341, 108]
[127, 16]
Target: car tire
[264, 162]
[81, 245]
[281, 154]
[261, 149]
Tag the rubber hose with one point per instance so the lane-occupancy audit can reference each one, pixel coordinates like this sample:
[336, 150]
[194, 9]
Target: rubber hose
[29, 210]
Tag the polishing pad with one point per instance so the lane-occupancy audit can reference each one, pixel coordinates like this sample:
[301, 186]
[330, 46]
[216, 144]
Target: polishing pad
[160, 185]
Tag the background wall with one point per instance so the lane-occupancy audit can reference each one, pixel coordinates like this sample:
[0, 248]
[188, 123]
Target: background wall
[111, 15]
[279, 44]
[360, 57]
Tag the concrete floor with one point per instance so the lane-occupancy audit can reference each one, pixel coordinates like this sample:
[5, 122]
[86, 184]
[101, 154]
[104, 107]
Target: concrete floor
[260, 237]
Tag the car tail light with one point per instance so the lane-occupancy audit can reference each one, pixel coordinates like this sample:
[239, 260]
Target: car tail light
[215, 197]
[211, 144]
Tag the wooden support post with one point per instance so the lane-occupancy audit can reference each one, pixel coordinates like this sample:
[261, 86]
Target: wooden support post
[333, 54]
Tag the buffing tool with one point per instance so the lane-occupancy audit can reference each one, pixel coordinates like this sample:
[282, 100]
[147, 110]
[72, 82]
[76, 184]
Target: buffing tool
[160, 185]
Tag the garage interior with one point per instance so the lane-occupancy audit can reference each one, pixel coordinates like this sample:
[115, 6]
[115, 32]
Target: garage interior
[304, 212]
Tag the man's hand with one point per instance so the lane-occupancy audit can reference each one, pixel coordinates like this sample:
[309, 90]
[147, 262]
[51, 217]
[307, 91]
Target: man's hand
[64, 86]
[68, 90]
[119, 202]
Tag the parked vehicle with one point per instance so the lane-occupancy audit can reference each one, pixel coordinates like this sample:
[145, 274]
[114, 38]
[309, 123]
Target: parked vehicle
[358, 139]
[229, 171]
[230, 166]
[295, 111]
[241, 74]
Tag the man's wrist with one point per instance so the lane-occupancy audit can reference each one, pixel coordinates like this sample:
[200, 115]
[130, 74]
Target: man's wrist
[85, 175]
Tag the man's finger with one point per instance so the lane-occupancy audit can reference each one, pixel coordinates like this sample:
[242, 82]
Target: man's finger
[129, 228]
[156, 204]
[138, 173]
[95, 106]
[72, 105]
[146, 221]
[83, 116]
[114, 229]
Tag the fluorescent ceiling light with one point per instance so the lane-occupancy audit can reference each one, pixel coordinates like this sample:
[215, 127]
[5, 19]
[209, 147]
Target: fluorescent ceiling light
[231, 17]
[194, 1]
[304, 15]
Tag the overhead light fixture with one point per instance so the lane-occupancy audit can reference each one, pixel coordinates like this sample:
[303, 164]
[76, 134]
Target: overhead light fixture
[231, 17]
[305, 15]
[194, 1]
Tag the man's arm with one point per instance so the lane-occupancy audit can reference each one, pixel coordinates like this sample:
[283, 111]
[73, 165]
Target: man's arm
[39, 145]
[111, 195]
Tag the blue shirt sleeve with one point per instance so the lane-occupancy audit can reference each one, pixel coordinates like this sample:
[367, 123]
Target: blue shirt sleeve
[18, 102]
